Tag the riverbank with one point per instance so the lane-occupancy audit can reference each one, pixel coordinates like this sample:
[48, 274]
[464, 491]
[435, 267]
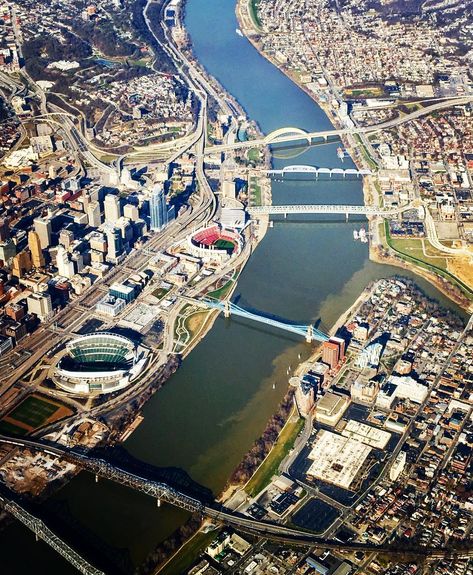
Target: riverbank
[379, 250]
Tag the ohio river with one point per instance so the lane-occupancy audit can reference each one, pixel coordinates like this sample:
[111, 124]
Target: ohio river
[213, 408]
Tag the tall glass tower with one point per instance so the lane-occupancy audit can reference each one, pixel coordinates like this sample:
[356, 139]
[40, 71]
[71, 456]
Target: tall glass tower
[158, 208]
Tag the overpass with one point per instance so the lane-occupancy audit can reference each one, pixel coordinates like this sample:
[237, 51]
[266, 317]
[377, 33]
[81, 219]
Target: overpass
[268, 529]
[302, 169]
[308, 332]
[291, 134]
[346, 210]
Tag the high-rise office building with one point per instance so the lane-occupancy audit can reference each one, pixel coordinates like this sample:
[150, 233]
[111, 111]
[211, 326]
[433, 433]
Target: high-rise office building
[42, 226]
[112, 208]
[37, 258]
[64, 266]
[40, 304]
[341, 345]
[7, 251]
[131, 212]
[66, 237]
[123, 224]
[330, 354]
[94, 216]
[333, 351]
[114, 244]
[158, 208]
[21, 264]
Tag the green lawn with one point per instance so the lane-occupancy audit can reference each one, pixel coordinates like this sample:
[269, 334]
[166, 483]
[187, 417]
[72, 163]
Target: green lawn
[254, 155]
[270, 465]
[428, 266]
[255, 192]
[161, 292]
[188, 553]
[34, 411]
[373, 165]
[221, 292]
[373, 92]
[253, 10]
[413, 247]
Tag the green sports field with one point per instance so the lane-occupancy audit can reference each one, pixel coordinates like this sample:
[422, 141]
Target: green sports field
[10, 429]
[224, 245]
[32, 413]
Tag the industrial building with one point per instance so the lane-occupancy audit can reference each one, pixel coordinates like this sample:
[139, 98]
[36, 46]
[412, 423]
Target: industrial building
[336, 459]
[367, 434]
[330, 408]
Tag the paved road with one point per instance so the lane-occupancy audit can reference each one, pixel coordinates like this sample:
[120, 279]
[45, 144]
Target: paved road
[291, 136]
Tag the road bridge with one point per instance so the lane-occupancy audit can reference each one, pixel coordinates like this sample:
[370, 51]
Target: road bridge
[43, 532]
[268, 529]
[326, 209]
[289, 134]
[308, 332]
[287, 170]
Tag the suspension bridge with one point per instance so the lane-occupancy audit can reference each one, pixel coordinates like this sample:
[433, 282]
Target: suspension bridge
[308, 332]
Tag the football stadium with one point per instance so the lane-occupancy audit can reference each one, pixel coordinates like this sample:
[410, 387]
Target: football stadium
[98, 363]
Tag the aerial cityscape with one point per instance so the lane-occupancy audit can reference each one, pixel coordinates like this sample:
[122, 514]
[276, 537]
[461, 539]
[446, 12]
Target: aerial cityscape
[236, 285]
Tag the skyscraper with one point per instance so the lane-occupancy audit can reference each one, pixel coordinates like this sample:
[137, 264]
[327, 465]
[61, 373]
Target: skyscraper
[37, 258]
[7, 251]
[330, 354]
[112, 208]
[333, 351]
[64, 266]
[131, 212]
[40, 304]
[93, 214]
[42, 226]
[21, 264]
[114, 243]
[158, 208]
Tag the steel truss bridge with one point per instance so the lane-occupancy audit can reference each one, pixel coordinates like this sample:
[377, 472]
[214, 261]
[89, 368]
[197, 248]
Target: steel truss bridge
[43, 532]
[308, 332]
[302, 169]
[164, 492]
[326, 209]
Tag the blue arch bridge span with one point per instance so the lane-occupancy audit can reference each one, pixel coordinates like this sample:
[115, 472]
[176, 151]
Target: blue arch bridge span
[309, 332]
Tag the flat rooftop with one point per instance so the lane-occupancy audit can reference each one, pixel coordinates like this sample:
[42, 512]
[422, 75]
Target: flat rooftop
[337, 459]
[367, 434]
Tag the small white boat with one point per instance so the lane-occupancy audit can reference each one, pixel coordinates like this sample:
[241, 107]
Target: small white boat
[274, 385]
[356, 235]
[239, 32]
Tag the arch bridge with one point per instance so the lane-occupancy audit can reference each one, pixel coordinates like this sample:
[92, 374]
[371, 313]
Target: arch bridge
[281, 135]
